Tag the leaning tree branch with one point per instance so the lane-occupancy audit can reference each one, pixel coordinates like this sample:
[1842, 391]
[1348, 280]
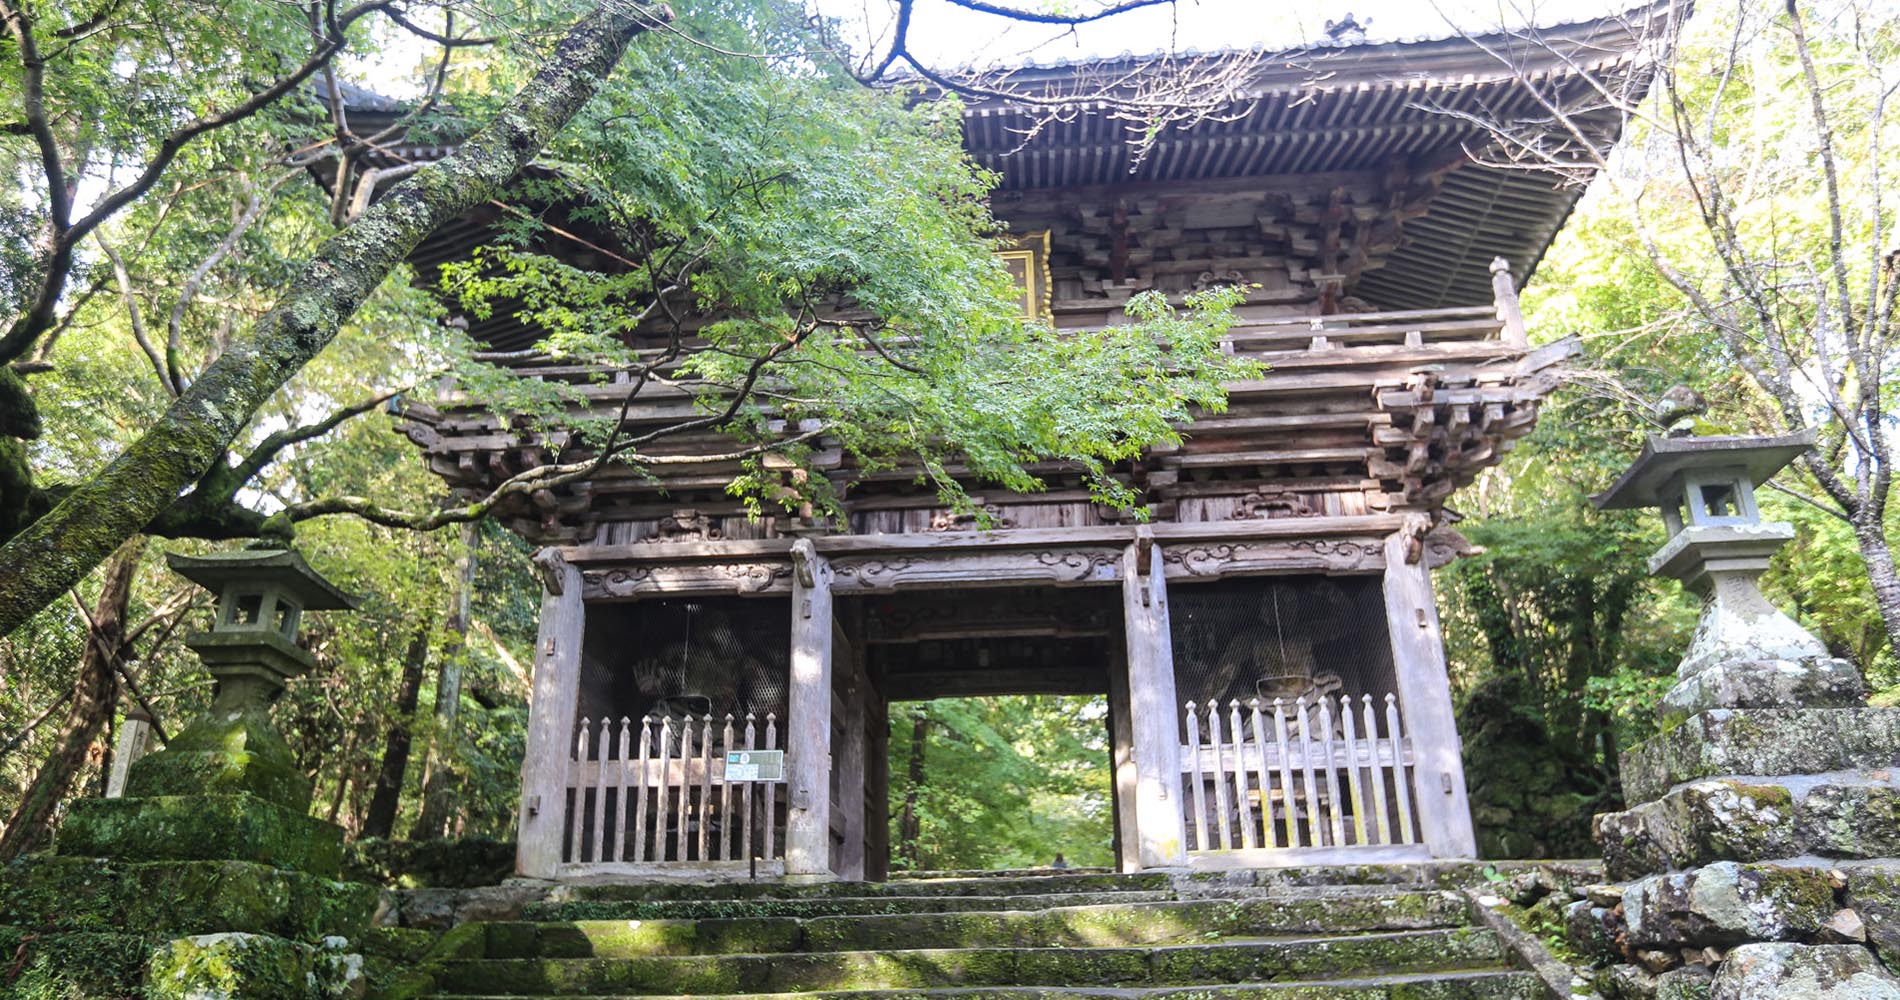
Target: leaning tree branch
[63, 232]
[137, 486]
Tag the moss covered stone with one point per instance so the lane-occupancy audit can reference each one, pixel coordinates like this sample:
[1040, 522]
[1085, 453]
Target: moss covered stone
[239, 753]
[54, 892]
[233, 966]
[1761, 741]
[1727, 904]
[1696, 824]
[202, 828]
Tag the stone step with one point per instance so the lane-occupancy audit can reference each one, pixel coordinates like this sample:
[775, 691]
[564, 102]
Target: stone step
[1235, 961]
[1009, 885]
[823, 906]
[936, 873]
[1483, 984]
[1079, 926]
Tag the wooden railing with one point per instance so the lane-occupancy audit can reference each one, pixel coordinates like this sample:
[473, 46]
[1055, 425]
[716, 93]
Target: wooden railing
[656, 791]
[1272, 336]
[1287, 776]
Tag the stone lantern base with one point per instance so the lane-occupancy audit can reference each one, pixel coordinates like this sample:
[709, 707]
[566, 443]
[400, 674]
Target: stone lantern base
[226, 789]
[1761, 849]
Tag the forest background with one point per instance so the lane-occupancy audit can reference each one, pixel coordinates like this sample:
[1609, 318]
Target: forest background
[412, 726]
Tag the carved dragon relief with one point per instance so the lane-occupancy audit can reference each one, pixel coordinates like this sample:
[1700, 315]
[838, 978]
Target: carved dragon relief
[721, 578]
[990, 518]
[685, 525]
[1291, 555]
[1265, 503]
[885, 572]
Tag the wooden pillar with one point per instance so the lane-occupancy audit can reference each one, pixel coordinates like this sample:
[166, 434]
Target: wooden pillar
[877, 791]
[1418, 658]
[851, 764]
[808, 718]
[1152, 710]
[1509, 313]
[1121, 762]
[557, 670]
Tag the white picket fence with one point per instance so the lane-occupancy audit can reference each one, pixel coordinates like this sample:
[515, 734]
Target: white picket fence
[656, 791]
[1305, 774]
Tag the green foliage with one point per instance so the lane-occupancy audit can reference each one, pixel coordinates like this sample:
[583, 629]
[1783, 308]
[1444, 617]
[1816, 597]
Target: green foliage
[781, 199]
[1008, 782]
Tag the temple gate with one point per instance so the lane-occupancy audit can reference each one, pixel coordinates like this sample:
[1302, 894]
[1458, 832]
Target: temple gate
[1264, 631]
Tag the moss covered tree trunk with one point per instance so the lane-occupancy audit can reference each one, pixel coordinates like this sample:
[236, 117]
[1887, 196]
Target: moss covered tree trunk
[95, 692]
[58, 549]
[380, 821]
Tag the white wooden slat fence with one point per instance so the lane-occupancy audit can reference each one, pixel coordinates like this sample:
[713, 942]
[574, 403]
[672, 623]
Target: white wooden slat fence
[1309, 774]
[655, 791]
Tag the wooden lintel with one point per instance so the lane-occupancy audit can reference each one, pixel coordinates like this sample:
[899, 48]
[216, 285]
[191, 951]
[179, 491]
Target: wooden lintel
[775, 549]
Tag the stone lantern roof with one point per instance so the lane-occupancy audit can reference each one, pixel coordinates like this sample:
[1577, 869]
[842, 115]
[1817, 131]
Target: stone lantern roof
[281, 568]
[1646, 483]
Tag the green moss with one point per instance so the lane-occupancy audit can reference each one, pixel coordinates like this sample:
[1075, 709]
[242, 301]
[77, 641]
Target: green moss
[461, 863]
[86, 965]
[218, 966]
[202, 827]
[176, 898]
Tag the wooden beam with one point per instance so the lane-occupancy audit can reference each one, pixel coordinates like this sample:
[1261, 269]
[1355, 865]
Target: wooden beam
[808, 718]
[923, 685]
[1159, 821]
[1121, 761]
[1424, 689]
[851, 758]
[557, 668]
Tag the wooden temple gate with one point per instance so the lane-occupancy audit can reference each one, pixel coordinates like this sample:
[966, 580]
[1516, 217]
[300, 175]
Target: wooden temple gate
[1353, 200]
[1342, 776]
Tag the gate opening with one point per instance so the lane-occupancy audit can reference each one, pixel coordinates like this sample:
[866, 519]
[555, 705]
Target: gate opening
[1001, 782]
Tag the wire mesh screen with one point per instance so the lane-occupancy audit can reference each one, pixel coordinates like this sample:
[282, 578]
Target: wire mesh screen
[686, 657]
[1280, 637]
[1292, 736]
[667, 687]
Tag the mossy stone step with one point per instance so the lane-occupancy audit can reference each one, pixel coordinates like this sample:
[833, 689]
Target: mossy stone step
[1008, 886]
[1262, 960]
[826, 906]
[1472, 985]
[1085, 926]
[1139, 924]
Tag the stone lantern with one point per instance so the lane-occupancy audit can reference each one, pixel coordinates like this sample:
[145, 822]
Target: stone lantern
[228, 787]
[1746, 653]
[251, 648]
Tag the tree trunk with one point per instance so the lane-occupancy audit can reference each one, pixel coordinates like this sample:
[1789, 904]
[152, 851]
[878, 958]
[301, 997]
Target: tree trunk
[1877, 553]
[381, 819]
[95, 692]
[57, 550]
[438, 799]
[909, 830]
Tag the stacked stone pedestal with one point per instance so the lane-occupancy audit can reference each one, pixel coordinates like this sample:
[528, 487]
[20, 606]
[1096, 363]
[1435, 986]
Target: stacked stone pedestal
[1760, 856]
[209, 879]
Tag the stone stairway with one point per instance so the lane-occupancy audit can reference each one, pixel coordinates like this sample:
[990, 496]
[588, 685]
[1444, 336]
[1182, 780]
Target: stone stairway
[1013, 937]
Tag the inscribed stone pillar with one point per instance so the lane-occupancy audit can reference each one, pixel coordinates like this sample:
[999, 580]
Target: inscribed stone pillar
[557, 668]
[1418, 660]
[1153, 712]
[808, 718]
